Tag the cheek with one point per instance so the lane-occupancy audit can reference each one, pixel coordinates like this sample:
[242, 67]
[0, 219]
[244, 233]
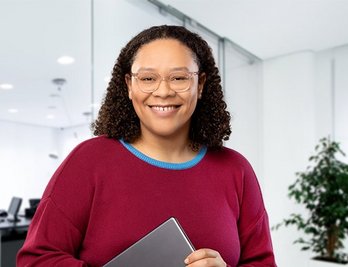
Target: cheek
[136, 108]
[194, 96]
[137, 101]
[192, 103]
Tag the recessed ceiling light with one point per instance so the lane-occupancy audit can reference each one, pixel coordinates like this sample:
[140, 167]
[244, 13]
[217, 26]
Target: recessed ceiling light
[12, 110]
[6, 86]
[65, 60]
[50, 116]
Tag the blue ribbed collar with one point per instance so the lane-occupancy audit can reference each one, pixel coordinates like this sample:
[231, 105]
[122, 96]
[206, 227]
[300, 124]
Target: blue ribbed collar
[163, 164]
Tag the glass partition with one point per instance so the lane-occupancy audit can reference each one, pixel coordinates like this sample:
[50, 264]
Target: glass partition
[42, 101]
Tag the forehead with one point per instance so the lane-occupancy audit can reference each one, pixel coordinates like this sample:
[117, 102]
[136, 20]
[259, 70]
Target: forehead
[164, 53]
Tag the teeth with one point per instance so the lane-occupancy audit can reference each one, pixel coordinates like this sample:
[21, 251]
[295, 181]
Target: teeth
[163, 109]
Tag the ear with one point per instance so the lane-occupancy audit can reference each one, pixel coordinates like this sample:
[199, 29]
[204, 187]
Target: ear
[201, 82]
[128, 80]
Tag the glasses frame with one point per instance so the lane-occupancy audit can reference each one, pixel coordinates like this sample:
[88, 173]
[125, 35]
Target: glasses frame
[190, 73]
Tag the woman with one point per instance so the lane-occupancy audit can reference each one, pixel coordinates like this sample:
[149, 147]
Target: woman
[158, 154]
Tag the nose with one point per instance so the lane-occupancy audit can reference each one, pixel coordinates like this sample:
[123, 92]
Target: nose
[163, 89]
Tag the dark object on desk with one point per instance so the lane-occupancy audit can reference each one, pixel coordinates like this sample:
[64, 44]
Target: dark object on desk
[167, 245]
[33, 202]
[3, 213]
[15, 204]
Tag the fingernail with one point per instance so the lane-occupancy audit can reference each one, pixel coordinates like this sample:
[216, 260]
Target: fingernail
[186, 261]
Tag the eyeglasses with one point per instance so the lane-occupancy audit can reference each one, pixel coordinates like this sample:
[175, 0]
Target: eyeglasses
[178, 81]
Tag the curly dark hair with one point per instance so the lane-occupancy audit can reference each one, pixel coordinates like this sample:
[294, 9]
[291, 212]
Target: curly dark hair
[210, 122]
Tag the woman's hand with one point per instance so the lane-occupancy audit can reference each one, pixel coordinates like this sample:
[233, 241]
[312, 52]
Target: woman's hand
[203, 258]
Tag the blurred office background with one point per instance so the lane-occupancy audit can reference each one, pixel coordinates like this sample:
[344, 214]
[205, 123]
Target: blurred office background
[284, 66]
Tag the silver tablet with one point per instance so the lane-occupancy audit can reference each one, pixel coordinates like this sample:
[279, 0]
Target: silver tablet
[167, 245]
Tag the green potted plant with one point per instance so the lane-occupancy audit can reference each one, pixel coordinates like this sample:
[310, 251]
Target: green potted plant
[323, 190]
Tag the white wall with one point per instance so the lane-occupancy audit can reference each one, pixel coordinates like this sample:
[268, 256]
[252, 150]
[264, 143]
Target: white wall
[340, 58]
[331, 87]
[243, 91]
[26, 162]
[288, 139]
[299, 108]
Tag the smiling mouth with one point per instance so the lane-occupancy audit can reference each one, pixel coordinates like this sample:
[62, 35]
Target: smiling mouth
[164, 108]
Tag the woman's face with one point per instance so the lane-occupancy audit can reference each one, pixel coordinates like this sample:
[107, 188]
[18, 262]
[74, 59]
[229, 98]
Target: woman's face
[164, 112]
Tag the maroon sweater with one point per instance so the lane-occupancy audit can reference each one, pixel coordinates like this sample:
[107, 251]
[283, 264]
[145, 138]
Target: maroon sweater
[106, 195]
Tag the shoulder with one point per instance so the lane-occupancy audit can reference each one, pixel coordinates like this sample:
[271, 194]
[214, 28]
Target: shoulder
[92, 153]
[231, 163]
[97, 142]
[228, 156]
[95, 146]
[82, 164]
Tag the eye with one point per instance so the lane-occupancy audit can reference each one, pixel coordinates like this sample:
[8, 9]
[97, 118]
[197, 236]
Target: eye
[147, 77]
[178, 77]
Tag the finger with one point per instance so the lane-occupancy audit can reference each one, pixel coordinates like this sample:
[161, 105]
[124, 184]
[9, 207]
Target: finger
[201, 254]
[206, 262]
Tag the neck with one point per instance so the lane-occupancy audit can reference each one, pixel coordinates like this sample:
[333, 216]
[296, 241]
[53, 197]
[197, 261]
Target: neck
[173, 149]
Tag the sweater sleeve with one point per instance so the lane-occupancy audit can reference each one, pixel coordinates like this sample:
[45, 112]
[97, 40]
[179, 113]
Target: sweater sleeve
[253, 227]
[52, 239]
[57, 230]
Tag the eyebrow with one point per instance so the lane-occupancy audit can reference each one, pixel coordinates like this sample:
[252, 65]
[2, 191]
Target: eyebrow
[172, 69]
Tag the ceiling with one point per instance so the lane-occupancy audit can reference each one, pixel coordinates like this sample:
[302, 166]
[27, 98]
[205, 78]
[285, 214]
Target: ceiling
[270, 28]
[34, 33]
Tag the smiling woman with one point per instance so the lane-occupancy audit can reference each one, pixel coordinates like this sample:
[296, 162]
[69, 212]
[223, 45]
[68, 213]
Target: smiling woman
[165, 111]
[159, 154]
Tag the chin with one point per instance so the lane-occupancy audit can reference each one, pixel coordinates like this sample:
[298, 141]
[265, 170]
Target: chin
[164, 132]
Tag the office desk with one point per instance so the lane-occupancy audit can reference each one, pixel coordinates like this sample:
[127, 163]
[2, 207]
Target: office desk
[22, 224]
[12, 235]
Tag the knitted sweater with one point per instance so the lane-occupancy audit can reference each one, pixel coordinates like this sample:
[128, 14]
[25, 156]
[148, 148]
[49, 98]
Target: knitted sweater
[106, 195]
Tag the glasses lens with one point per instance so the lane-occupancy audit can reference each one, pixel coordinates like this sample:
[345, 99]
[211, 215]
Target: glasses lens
[179, 81]
[148, 81]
